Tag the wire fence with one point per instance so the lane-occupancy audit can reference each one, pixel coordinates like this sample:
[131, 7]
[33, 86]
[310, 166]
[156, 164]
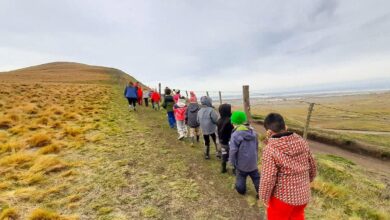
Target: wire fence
[307, 110]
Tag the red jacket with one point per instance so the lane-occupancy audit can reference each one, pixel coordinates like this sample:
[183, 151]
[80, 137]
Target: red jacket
[180, 111]
[139, 92]
[155, 97]
[287, 169]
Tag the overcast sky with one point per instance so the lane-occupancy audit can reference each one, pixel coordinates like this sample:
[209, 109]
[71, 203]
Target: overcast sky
[213, 45]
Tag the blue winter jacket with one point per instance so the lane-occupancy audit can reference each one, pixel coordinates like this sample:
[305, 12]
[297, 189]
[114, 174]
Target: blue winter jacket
[243, 149]
[131, 92]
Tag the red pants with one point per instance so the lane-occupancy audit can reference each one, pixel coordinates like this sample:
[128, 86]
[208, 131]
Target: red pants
[279, 210]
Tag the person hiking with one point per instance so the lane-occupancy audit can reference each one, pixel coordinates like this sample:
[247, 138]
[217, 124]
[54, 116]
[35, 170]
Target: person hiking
[288, 168]
[177, 96]
[207, 118]
[146, 95]
[180, 109]
[155, 97]
[168, 105]
[243, 152]
[191, 118]
[140, 95]
[225, 129]
[131, 95]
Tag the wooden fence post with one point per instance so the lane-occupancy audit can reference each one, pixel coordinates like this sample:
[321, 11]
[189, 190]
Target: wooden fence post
[187, 94]
[207, 93]
[159, 92]
[306, 128]
[220, 98]
[247, 105]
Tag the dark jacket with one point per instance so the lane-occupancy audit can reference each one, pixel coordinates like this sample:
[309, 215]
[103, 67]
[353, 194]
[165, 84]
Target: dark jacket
[192, 114]
[168, 103]
[224, 125]
[243, 148]
[130, 92]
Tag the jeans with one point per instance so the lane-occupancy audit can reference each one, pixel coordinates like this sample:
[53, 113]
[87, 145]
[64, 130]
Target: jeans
[241, 180]
[171, 119]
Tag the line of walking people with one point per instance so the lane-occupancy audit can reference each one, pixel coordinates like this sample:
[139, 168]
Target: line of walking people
[136, 95]
[288, 166]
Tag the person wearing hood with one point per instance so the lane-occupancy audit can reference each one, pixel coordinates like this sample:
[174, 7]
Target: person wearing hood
[244, 152]
[207, 118]
[288, 168]
[180, 109]
[225, 129]
[191, 118]
[140, 95]
[168, 105]
[177, 96]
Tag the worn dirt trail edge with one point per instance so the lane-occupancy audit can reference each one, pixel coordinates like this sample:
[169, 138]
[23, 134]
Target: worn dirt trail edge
[369, 163]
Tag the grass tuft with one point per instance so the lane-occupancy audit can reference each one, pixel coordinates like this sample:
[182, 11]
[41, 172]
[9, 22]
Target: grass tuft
[39, 140]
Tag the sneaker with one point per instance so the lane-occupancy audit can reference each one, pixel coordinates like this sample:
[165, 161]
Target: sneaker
[181, 138]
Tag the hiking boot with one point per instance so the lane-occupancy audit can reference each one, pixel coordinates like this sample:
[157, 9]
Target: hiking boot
[206, 152]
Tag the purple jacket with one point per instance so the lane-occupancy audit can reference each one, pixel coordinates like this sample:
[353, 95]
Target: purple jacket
[243, 149]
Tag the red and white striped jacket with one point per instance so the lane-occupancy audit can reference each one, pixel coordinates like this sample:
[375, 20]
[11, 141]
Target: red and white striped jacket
[287, 169]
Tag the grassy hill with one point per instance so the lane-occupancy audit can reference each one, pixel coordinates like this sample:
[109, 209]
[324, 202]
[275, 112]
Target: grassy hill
[70, 149]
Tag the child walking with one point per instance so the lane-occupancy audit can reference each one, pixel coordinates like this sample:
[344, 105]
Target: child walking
[287, 170]
[146, 95]
[225, 129]
[168, 105]
[131, 95]
[243, 152]
[191, 118]
[180, 109]
[155, 100]
[207, 118]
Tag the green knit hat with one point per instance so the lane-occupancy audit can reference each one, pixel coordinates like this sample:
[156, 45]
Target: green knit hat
[238, 118]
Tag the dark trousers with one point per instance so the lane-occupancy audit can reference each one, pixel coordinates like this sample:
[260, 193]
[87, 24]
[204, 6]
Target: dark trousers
[171, 119]
[241, 180]
[206, 138]
[132, 101]
[146, 100]
[225, 156]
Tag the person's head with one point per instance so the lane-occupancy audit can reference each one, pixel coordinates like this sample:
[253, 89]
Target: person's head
[225, 110]
[178, 92]
[168, 91]
[274, 123]
[238, 118]
[193, 98]
[130, 83]
[206, 101]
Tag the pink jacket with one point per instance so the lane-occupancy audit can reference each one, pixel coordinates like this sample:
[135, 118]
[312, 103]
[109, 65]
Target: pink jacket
[180, 109]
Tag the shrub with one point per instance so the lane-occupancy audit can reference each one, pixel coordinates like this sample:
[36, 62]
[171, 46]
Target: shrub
[43, 214]
[9, 213]
[39, 140]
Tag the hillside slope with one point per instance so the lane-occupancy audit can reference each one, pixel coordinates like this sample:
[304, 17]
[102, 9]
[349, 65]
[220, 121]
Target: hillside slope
[69, 149]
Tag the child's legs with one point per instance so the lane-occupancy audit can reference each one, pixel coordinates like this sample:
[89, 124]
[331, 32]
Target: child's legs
[206, 138]
[241, 181]
[129, 100]
[146, 102]
[192, 132]
[225, 153]
[171, 119]
[298, 213]
[133, 102]
[255, 176]
[278, 210]
[181, 126]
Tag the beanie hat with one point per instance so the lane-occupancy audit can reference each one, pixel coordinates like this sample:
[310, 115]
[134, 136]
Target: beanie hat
[238, 118]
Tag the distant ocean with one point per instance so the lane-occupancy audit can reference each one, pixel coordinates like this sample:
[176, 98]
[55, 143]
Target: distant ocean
[295, 95]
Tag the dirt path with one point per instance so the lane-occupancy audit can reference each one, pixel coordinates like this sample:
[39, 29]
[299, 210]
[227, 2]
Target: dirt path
[369, 163]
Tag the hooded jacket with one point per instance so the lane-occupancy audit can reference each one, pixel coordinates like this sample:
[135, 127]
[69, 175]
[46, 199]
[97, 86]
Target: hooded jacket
[131, 92]
[168, 103]
[243, 148]
[224, 125]
[287, 169]
[207, 116]
[192, 114]
[180, 109]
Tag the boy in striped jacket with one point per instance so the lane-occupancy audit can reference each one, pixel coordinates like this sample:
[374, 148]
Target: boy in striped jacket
[287, 170]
